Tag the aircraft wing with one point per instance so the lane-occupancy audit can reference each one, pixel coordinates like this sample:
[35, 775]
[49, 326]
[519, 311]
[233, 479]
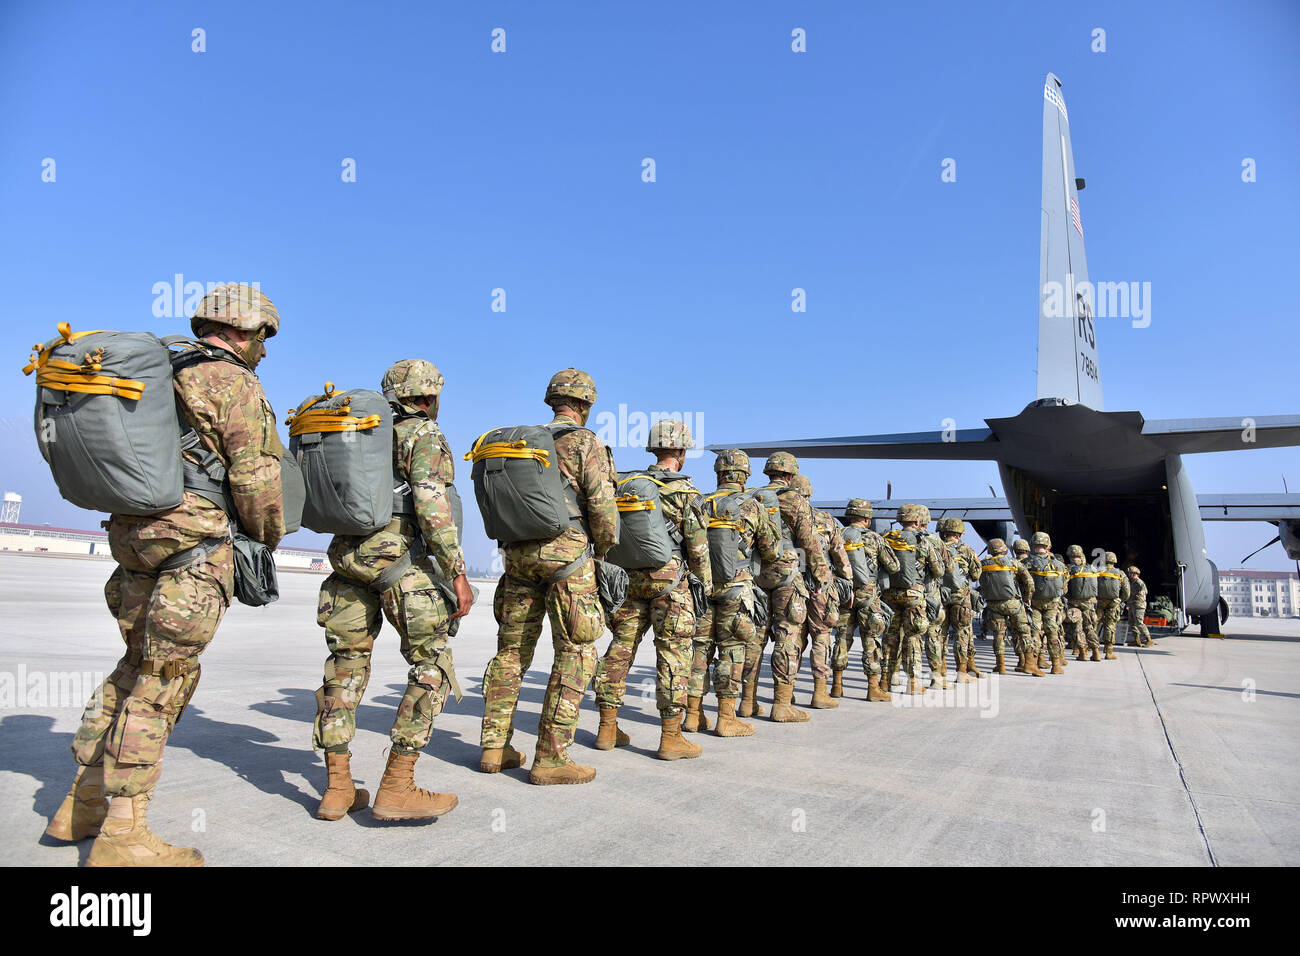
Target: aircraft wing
[1249, 507]
[1190, 436]
[964, 444]
[968, 509]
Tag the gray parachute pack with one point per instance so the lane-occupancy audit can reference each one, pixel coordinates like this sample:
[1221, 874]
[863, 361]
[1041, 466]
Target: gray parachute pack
[646, 538]
[727, 551]
[521, 492]
[908, 574]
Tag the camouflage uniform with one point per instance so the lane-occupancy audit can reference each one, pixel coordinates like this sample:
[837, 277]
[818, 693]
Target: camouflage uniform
[936, 614]
[910, 622]
[1110, 609]
[168, 616]
[1137, 609]
[728, 625]
[416, 605]
[1081, 602]
[660, 598]
[1007, 610]
[526, 591]
[864, 616]
[789, 603]
[1048, 571]
[957, 603]
[819, 629]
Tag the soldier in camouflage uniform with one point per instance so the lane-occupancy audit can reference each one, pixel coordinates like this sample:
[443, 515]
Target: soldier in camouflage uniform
[1020, 547]
[907, 628]
[730, 624]
[1009, 589]
[1112, 596]
[936, 645]
[789, 600]
[1081, 612]
[405, 570]
[820, 630]
[867, 555]
[1137, 608]
[173, 583]
[1048, 572]
[530, 588]
[660, 598]
[957, 599]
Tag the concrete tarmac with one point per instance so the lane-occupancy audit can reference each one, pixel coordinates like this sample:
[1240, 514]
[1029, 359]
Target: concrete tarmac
[1185, 754]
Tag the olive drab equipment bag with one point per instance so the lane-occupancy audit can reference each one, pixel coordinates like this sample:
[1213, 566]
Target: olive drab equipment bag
[727, 551]
[954, 581]
[1048, 575]
[106, 420]
[294, 491]
[343, 442]
[908, 574]
[1081, 582]
[1109, 584]
[521, 492]
[998, 579]
[646, 538]
[864, 567]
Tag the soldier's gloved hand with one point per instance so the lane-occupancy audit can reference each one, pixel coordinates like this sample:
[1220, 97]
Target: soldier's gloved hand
[464, 596]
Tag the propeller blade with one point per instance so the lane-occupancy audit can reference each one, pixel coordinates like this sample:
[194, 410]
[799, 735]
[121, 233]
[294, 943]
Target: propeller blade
[1258, 550]
[889, 491]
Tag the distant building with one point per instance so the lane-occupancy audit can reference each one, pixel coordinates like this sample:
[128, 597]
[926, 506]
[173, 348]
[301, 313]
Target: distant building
[43, 538]
[1260, 593]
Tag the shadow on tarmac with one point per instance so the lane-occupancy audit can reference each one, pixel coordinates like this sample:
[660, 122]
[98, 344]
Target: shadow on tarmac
[31, 748]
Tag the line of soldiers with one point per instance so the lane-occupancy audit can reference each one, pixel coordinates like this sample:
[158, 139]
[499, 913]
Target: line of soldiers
[796, 578]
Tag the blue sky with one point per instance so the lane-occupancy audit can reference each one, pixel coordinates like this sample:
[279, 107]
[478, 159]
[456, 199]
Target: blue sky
[522, 171]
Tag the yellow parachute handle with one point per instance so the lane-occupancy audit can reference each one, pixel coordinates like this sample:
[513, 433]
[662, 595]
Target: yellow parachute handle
[895, 541]
[854, 545]
[723, 523]
[505, 449]
[40, 355]
[633, 503]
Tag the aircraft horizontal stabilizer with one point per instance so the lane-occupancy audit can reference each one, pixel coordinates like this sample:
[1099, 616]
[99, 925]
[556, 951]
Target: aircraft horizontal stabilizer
[1264, 507]
[1190, 436]
[968, 509]
[965, 444]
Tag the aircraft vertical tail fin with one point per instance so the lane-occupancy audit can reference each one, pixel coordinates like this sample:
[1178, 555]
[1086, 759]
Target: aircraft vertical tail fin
[1067, 335]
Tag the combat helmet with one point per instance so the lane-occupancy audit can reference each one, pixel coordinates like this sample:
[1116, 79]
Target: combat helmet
[570, 383]
[731, 459]
[1021, 546]
[908, 513]
[669, 434]
[1074, 551]
[858, 508]
[952, 526]
[802, 484]
[781, 461]
[1041, 537]
[1134, 569]
[238, 306]
[412, 378]
[925, 514]
[997, 546]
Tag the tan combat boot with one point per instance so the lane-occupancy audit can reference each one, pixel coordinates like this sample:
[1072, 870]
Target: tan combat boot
[672, 745]
[963, 677]
[728, 725]
[971, 668]
[400, 799]
[1020, 661]
[943, 664]
[83, 810]
[126, 840]
[783, 710]
[915, 687]
[837, 683]
[496, 759]
[608, 736]
[1080, 652]
[341, 795]
[1042, 659]
[1058, 662]
[749, 705]
[1032, 668]
[820, 699]
[565, 774]
[1001, 666]
[1096, 654]
[1110, 652]
[695, 717]
[876, 691]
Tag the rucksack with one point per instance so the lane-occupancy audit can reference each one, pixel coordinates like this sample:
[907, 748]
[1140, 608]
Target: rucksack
[954, 581]
[646, 538]
[521, 492]
[106, 420]
[864, 568]
[1048, 575]
[998, 579]
[1109, 584]
[728, 553]
[343, 442]
[908, 574]
[110, 425]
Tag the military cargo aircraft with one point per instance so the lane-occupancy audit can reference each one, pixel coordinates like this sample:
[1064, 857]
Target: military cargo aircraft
[1103, 480]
